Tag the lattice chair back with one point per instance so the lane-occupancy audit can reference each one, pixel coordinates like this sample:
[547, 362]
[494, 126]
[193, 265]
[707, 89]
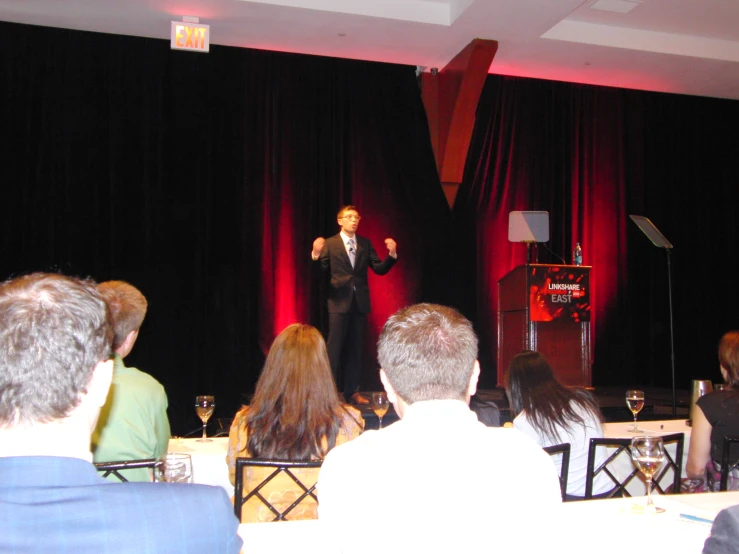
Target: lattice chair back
[115, 468]
[726, 462]
[622, 447]
[563, 450]
[662, 482]
[301, 486]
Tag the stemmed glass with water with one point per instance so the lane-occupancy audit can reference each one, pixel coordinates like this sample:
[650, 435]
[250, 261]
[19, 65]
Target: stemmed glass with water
[635, 402]
[380, 405]
[204, 406]
[648, 453]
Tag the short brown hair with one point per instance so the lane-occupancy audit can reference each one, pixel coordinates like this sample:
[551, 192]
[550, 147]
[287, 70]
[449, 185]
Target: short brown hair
[428, 352]
[127, 308]
[347, 208]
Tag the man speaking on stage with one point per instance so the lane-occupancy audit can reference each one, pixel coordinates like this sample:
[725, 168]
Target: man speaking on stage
[347, 257]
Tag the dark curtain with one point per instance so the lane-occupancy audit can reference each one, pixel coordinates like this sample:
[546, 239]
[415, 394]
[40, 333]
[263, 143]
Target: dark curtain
[203, 180]
[591, 156]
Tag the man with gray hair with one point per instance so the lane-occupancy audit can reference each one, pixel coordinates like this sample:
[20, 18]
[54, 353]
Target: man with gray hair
[55, 371]
[437, 480]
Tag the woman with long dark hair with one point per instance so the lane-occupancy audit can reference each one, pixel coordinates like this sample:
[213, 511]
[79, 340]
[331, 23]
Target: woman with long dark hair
[716, 415]
[551, 413]
[295, 414]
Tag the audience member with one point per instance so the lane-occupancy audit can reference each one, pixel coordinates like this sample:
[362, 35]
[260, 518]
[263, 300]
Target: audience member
[55, 372]
[295, 414]
[133, 423]
[437, 480]
[715, 417]
[487, 411]
[724, 536]
[551, 413]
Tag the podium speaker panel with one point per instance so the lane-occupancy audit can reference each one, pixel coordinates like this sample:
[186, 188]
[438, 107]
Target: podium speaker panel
[546, 308]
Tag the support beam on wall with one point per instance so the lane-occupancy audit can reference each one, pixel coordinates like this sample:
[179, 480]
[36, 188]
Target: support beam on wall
[450, 97]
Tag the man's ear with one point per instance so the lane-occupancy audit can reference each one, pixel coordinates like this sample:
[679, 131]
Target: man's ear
[392, 396]
[102, 376]
[473, 378]
[125, 348]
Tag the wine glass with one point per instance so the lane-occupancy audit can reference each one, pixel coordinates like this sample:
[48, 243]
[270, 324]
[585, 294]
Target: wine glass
[379, 405]
[204, 406]
[173, 467]
[635, 402]
[648, 454]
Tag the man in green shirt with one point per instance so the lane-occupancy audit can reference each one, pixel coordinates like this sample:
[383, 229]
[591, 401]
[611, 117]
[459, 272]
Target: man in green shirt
[133, 423]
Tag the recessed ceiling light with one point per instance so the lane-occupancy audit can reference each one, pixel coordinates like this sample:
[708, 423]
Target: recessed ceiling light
[618, 6]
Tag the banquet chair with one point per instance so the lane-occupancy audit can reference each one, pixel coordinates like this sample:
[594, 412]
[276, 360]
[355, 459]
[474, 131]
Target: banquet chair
[726, 465]
[279, 467]
[115, 468]
[622, 447]
[564, 450]
[675, 464]
[607, 468]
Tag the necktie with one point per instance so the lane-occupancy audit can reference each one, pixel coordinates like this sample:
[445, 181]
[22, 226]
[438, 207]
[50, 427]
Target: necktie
[352, 252]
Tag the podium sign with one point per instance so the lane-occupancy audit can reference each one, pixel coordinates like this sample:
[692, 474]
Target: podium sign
[559, 292]
[546, 308]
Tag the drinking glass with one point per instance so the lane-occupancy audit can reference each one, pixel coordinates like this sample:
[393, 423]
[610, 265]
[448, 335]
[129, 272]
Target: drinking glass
[635, 402]
[379, 405]
[204, 406]
[173, 467]
[648, 454]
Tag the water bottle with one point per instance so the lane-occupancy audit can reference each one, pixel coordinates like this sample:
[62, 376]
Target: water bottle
[577, 254]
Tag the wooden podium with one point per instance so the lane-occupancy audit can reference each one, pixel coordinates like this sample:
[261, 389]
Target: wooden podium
[546, 308]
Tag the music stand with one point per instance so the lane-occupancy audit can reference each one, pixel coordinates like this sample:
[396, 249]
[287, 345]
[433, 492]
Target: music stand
[660, 241]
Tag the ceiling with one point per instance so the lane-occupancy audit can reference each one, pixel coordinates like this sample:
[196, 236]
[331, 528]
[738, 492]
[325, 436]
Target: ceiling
[679, 46]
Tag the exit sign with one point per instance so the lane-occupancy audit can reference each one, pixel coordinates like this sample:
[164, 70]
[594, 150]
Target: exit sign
[190, 36]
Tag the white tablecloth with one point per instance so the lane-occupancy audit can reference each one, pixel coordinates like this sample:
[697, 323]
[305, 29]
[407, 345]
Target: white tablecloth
[208, 460]
[624, 464]
[603, 526]
[612, 526]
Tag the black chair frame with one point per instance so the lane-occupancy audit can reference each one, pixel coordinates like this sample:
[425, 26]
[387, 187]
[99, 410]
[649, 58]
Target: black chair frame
[280, 466]
[676, 464]
[114, 468]
[624, 445]
[726, 465]
[564, 471]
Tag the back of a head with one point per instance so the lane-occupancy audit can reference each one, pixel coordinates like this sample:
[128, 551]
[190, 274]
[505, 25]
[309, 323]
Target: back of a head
[53, 331]
[533, 388]
[529, 378]
[296, 364]
[127, 308]
[428, 352]
[296, 395]
[728, 356]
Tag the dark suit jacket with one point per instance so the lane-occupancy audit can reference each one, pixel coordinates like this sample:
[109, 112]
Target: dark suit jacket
[55, 504]
[344, 278]
[724, 537]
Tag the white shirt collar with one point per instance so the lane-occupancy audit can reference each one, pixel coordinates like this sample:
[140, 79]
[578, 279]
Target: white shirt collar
[346, 238]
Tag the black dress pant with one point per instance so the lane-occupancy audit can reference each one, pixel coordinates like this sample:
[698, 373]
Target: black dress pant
[345, 337]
